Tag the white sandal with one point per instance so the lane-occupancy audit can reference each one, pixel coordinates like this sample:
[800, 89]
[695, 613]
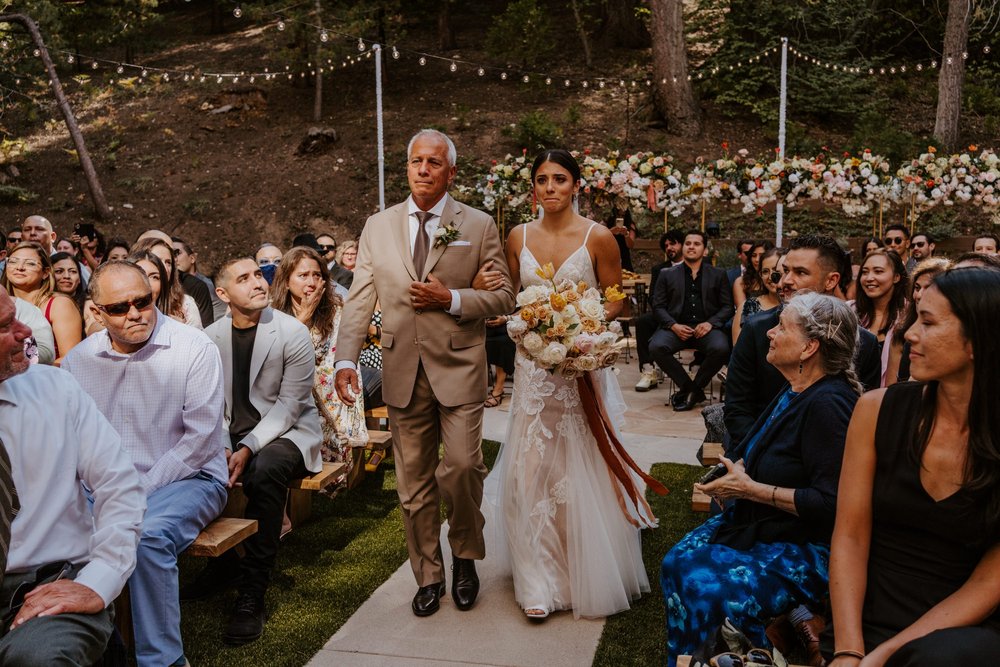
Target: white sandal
[536, 613]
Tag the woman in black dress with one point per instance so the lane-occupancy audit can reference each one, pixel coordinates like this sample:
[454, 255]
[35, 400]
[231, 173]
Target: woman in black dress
[915, 564]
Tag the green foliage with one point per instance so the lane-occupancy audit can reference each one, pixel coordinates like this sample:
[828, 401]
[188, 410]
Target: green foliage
[12, 151]
[196, 207]
[12, 194]
[573, 115]
[522, 34]
[871, 131]
[535, 131]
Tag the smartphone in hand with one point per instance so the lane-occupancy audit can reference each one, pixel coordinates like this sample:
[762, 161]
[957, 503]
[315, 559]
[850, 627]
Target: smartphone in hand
[714, 473]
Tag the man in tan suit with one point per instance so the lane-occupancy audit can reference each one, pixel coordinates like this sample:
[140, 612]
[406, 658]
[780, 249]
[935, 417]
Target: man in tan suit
[418, 259]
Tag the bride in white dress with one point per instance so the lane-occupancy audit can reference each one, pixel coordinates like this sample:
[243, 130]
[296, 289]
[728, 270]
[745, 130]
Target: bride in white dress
[564, 525]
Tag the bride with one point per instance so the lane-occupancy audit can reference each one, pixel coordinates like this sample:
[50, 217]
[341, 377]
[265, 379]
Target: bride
[572, 541]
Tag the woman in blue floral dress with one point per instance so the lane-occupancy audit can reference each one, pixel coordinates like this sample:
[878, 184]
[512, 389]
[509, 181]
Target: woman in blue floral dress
[768, 552]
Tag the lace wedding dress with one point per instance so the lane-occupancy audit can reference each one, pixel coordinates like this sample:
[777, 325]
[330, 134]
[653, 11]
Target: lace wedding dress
[560, 522]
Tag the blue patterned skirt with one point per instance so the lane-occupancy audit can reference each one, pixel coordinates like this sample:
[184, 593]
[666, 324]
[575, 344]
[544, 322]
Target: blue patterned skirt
[703, 583]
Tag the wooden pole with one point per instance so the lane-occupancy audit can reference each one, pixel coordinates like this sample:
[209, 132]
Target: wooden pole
[665, 218]
[96, 193]
[704, 205]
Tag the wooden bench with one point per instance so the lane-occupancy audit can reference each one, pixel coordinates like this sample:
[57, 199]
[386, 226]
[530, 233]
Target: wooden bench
[710, 453]
[700, 502]
[221, 535]
[685, 661]
[301, 490]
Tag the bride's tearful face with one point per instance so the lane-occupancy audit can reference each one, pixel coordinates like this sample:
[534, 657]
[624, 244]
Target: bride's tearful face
[554, 187]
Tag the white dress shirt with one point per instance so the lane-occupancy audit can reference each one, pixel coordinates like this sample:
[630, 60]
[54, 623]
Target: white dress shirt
[58, 441]
[32, 317]
[431, 226]
[165, 400]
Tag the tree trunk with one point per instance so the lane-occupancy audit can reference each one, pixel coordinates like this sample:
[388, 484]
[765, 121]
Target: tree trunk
[318, 100]
[622, 27]
[949, 106]
[446, 32]
[96, 193]
[582, 31]
[673, 96]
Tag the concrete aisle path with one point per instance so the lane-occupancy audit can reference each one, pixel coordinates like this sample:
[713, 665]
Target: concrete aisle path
[384, 632]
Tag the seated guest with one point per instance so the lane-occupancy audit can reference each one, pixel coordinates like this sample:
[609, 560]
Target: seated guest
[768, 552]
[750, 284]
[814, 263]
[118, 249]
[73, 542]
[159, 383]
[976, 259]
[916, 548]
[28, 275]
[186, 260]
[645, 325]
[986, 244]
[67, 246]
[194, 289]
[326, 246]
[347, 255]
[41, 342]
[38, 229]
[763, 299]
[500, 350]
[68, 275]
[881, 300]
[692, 303]
[302, 289]
[920, 279]
[183, 305]
[269, 364]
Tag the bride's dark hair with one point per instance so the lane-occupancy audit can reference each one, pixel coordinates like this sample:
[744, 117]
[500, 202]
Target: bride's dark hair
[561, 157]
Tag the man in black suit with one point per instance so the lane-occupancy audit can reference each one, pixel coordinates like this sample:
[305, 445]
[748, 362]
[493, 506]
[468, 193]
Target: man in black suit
[743, 249]
[814, 263]
[692, 303]
[646, 325]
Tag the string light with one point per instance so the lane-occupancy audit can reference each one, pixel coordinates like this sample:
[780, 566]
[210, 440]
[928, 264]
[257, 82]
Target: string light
[70, 59]
[238, 12]
[481, 71]
[324, 36]
[395, 53]
[422, 61]
[281, 26]
[453, 66]
[361, 44]
[525, 78]
[503, 76]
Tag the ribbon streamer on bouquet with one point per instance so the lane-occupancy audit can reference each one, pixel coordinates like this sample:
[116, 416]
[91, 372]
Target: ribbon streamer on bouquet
[619, 462]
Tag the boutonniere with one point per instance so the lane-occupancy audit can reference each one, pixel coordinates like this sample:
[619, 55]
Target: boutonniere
[445, 235]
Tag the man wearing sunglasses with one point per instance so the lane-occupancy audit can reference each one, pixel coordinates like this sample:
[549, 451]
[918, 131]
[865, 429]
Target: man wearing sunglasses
[897, 239]
[69, 557]
[159, 383]
[921, 247]
[328, 248]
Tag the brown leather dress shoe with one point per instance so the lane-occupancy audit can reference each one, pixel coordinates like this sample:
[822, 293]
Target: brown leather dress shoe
[808, 633]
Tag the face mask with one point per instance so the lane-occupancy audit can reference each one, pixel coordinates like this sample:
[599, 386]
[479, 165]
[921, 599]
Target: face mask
[268, 270]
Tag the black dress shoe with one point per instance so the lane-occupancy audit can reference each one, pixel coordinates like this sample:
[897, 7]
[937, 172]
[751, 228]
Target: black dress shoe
[464, 582]
[247, 622]
[691, 400]
[209, 581]
[678, 398]
[428, 599]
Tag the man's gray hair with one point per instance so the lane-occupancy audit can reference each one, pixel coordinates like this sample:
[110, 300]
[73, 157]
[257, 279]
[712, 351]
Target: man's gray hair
[436, 134]
[834, 324]
[113, 266]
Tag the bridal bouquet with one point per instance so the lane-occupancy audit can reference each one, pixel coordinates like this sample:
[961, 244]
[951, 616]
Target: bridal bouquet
[562, 326]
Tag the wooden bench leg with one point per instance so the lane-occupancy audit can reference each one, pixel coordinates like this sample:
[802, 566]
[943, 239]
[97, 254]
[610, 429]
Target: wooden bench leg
[299, 506]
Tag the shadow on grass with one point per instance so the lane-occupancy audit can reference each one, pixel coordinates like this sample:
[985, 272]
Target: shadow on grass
[638, 636]
[325, 571]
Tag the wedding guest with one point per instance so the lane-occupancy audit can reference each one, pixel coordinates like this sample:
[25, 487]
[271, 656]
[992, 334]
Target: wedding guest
[13, 238]
[751, 283]
[170, 299]
[268, 258]
[302, 289]
[66, 271]
[897, 239]
[41, 343]
[347, 254]
[182, 306]
[159, 383]
[162, 245]
[742, 257]
[769, 551]
[66, 246]
[118, 249]
[977, 259]
[37, 229]
[646, 325]
[986, 244]
[73, 541]
[871, 243]
[766, 300]
[625, 233]
[922, 247]
[916, 547]
[500, 350]
[881, 300]
[692, 304]
[28, 275]
[814, 263]
[920, 279]
[187, 263]
[328, 249]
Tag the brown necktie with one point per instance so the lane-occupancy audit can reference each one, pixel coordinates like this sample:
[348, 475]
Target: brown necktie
[423, 242]
[8, 506]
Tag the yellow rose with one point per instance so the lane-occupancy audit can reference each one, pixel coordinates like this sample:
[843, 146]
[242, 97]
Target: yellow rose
[581, 287]
[527, 314]
[557, 301]
[590, 325]
[613, 294]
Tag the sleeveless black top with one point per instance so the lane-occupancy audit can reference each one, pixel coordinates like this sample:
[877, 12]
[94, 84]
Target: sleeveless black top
[922, 551]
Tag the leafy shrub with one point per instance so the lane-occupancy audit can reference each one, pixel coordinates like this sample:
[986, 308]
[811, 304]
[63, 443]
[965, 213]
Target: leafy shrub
[12, 194]
[535, 131]
[523, 33]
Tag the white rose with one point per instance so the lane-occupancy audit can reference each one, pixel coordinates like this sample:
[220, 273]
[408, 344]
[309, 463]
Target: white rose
[440, 231]
[615, 328]
[532, 342]
[532, 294]
[607, 339]
[586, 362]
[591, 308]
[554, 353]
[517, 327]
[873, 179]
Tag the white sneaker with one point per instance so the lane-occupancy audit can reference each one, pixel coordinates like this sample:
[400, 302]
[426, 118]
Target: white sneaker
[647, 380]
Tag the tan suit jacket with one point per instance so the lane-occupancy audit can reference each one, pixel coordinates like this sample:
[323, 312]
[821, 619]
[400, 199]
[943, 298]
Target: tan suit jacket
[452, 350]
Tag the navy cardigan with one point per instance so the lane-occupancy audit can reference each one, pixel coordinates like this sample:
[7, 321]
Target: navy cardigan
[802, 449]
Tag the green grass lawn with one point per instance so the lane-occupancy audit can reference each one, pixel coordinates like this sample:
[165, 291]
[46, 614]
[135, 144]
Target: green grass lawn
[328, 567]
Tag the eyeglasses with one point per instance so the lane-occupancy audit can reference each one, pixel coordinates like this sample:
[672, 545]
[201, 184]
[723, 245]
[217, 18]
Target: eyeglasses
[776, 277]
[894, 240]
[267, 262]
[918, 244]
[26, 263]
[123, 307]
[327, 248]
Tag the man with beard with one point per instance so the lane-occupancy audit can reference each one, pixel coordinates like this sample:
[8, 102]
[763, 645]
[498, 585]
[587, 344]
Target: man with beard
[645, 325]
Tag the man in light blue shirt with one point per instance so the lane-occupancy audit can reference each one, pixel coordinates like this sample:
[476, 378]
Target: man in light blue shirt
[159, 383]
[75, 556]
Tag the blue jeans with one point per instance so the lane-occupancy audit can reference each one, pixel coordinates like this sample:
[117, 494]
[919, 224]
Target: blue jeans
[175, 514]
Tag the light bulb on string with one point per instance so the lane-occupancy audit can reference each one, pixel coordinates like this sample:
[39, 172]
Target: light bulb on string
[202, 79]
[965, 55]
[251, 79]
[548, 81]
[422, 61]
[93, 65]
[566, 83]
[503, 76]
[144, 73]
[281, 25]
[219, 80]
[361, 44]
[4, 44]
[70, 59]
[395, 53]
[324, 36]
[186, 78]
[933, 64]
[986, 50]
[585, 84]
[525, 78]
[36, 53]
[648, 83]
[600, 84]
[481, 71]
[453, 66]
[238, 12]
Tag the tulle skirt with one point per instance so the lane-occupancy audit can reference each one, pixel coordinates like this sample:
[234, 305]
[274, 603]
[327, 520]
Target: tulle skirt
[554, 517]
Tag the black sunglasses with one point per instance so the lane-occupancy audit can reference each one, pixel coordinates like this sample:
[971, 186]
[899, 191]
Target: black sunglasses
[327, 248]
[123, 307]
[894, 240]
[776, 277]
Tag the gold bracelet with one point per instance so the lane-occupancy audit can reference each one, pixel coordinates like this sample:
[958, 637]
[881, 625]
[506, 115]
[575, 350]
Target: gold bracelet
[773, 491]
[849, 653]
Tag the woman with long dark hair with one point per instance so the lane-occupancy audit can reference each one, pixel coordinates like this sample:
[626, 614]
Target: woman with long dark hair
[881, 299]
[751, 283]
[68, 275]
[915, 565]
[899, 355]
[181, 306]
[767, 299]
